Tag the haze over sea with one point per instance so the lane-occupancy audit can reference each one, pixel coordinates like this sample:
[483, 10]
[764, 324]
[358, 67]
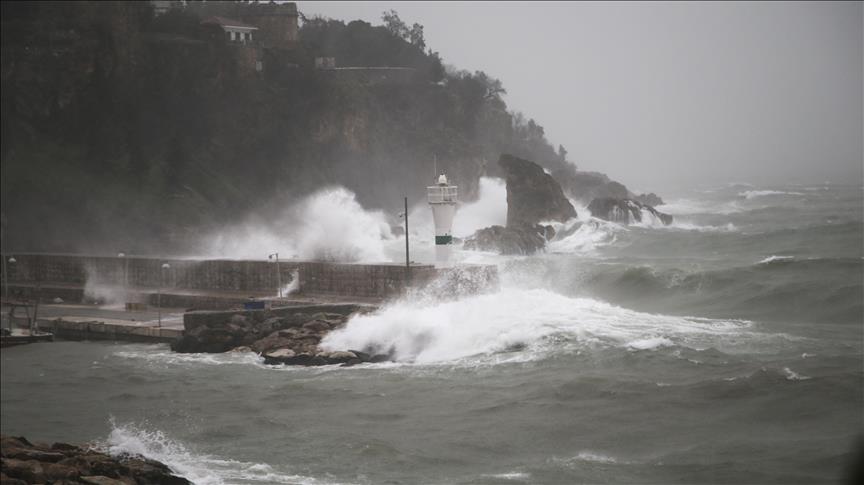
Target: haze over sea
[726, 347]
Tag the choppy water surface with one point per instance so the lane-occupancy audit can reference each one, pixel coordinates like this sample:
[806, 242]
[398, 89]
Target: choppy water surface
[726, 348]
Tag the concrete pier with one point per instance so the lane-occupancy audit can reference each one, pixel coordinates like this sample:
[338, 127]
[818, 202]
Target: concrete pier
[83, 297]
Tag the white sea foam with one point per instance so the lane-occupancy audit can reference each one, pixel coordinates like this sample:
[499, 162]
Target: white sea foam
[776, 259]
[429, 331]
[793, 376]
[201, 469]
[650, 343]
[694, 206]
[751, 194]
[587, 237]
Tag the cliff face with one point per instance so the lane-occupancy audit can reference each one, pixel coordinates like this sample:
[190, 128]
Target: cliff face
[125, 130]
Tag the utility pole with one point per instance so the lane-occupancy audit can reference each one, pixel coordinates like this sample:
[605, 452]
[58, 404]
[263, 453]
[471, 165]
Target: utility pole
[407, 255]
[159, 292]
[278, 274]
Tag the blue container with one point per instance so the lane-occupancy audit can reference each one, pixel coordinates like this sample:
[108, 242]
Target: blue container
[253, 305]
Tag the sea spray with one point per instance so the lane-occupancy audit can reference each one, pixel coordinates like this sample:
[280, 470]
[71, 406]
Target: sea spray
[201, 469]
[328, 225]
[430, 331]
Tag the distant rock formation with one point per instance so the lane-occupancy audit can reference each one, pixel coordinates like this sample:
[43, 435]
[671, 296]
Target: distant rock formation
[624, 211]
[510, 240]
[651, 199]
[26, 462]
[587, 186]
[533, 196]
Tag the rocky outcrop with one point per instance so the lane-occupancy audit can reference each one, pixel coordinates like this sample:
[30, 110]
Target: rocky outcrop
[281, 336]
[533, 196]
[586, 186]
[651, 199]
[26, 462]
[624, 211]
[510, 240]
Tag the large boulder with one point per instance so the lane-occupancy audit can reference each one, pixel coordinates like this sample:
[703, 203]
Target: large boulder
[533, 196]
[624, 211]
[510, 240]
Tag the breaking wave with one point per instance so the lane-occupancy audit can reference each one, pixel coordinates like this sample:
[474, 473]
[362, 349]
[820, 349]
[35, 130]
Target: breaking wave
[201, 469]
[512, 319]
[751, 194]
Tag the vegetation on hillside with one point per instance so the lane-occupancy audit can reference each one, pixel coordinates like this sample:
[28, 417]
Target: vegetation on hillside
[125, 130]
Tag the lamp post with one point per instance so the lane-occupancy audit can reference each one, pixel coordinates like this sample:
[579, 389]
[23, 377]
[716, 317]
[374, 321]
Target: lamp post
[159, 292]
[122, 255]
[278, 273]
[12, 260]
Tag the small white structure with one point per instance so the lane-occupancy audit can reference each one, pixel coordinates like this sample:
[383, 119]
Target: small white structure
[442, 197]
[235, 30]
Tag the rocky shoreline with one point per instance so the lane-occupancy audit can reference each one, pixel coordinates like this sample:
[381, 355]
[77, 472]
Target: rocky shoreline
[289, 336]
[25, 462]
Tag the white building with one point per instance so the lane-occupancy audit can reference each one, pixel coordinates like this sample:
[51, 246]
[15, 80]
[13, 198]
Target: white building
[235, 30]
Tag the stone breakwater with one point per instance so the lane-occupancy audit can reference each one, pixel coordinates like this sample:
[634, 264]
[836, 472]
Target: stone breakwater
[25, 462]
[288, 335]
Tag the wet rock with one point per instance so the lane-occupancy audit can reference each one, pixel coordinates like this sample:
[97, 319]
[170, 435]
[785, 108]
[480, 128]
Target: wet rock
[65, 463]
[510, 240]
[279, 356]
[624, 211]
[533, 196]
[651, 199]
[337, 357]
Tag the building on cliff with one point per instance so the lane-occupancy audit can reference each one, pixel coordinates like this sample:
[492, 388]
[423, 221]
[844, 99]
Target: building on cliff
[276, 23]
[235, 30]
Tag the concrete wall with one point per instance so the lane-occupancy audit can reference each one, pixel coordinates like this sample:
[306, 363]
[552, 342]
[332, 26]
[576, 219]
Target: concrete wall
[373, 281]
[147, 272]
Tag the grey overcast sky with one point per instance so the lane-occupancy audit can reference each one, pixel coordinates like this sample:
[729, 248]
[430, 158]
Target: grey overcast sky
[662, 94]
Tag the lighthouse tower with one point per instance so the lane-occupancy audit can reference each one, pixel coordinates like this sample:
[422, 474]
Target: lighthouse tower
[442, 198]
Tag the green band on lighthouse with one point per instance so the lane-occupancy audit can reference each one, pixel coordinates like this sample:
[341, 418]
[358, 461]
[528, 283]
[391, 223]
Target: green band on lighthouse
[443, 240]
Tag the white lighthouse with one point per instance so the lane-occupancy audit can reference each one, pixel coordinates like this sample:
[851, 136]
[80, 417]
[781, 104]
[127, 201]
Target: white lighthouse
[442, 198]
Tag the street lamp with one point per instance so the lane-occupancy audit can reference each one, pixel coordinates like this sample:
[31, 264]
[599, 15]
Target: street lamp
[12, 260]
[122, 255]
[159, 292]
[278, 274]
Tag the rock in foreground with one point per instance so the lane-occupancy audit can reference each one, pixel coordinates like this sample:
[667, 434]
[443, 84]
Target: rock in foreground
[624, 211]
[26, 462]
[291, 337]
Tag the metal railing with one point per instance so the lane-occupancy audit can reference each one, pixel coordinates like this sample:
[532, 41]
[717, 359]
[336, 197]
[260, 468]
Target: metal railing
[438, 194]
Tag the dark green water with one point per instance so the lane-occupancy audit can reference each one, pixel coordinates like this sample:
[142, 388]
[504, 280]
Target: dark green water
[727, 348]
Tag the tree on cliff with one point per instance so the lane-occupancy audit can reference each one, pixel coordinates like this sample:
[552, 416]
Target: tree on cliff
[124, 130]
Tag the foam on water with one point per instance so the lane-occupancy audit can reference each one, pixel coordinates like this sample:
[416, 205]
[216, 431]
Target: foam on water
[751, 194]
[430, 331]
[586, 238]
[692, 206]
[201, 469]
[776, 259]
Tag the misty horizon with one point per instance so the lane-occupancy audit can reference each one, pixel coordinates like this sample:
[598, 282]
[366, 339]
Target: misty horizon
[660, 94]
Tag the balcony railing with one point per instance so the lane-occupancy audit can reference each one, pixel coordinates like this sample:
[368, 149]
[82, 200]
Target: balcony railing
[438, 194]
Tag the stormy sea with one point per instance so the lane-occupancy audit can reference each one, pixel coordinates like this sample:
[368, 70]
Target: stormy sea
[726, 347]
